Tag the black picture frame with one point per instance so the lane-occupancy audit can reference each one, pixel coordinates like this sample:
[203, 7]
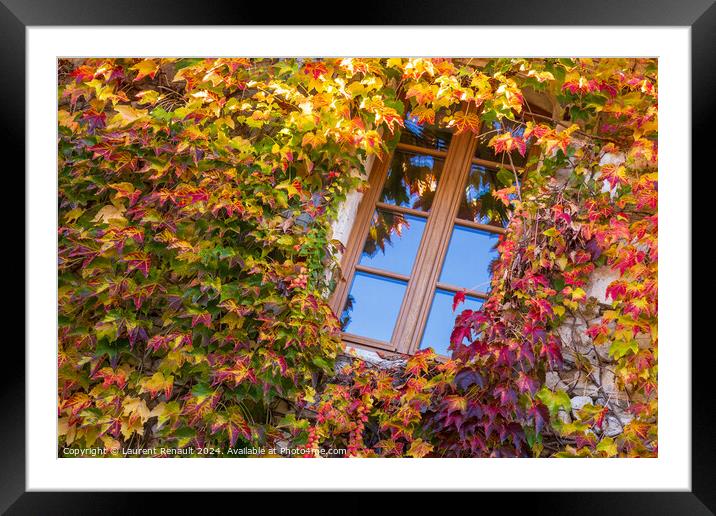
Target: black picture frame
[700, 15]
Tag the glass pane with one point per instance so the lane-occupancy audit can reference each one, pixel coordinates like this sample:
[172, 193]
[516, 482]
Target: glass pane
[424, 135]
[469, 255]
[478, 204]
[441, 320]
[372, 306]
[412, 180]
[497, 127]
[392, 242]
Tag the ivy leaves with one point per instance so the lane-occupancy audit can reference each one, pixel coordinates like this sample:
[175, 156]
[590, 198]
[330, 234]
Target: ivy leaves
[195, 200]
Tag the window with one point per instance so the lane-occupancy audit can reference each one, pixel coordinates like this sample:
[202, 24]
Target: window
[426, 228]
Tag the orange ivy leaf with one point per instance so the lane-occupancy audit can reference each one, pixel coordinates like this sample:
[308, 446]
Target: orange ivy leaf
[465, 122]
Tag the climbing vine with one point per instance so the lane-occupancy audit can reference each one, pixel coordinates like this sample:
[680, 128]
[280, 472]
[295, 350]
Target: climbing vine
[195, 257]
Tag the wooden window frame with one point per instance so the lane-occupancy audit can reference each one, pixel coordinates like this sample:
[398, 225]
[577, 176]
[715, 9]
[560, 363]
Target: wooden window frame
[430, 257]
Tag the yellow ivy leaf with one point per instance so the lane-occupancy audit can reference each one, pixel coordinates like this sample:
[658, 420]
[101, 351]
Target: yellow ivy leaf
[65, 119]
[73, 215]
[158, 382]
[419, 448]
[90, 433]
[608, 446]
[233, 321]
[127, 114]
[148, 97]
[314, 140]
[109, 214]
[165, 412]
[131, 425]
[62, 426]
[578, 293]
[147, 67]
[310, 394]
[136, 408]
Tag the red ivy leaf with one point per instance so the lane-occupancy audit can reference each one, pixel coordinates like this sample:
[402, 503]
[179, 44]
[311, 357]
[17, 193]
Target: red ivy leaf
[526, 383]
[459, 298]
[138, 261]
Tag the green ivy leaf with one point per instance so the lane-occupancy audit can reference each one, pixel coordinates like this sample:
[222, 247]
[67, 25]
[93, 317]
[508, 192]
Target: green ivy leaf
[555, 400]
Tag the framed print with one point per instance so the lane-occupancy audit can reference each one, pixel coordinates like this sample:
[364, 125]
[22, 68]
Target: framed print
[432, 253]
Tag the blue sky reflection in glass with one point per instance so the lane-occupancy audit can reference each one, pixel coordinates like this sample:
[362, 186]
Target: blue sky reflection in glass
[467, 263]
[441, 320]
[392, 242]
[372, 306]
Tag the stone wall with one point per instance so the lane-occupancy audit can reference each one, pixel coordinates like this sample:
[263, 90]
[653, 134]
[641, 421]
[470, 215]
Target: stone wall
[588, 372]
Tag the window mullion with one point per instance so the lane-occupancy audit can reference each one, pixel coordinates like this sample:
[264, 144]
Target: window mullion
[433, 247]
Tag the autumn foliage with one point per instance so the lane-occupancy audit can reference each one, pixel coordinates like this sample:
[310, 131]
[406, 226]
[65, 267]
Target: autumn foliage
[195, 255]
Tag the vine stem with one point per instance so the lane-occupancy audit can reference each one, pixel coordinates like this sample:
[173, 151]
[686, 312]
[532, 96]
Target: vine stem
[517, 180]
